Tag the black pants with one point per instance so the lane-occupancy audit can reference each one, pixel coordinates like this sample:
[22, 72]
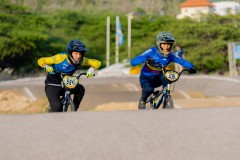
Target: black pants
[54, 92]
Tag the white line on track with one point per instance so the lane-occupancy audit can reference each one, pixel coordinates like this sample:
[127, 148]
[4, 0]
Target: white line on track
[131, 87]
[29, 93]
[176, 106]
[185, 94]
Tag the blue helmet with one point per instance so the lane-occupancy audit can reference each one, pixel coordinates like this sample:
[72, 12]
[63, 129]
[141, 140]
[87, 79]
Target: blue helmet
[75, 45]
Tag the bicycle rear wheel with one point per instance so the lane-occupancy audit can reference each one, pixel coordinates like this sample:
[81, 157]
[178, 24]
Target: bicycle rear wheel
[149, 103]
[168, 103]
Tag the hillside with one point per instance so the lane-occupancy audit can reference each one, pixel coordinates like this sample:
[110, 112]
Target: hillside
[28, 33]
[151, 7]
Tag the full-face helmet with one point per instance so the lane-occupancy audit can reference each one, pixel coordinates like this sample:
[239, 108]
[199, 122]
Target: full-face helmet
[164, 37]
[75, 45]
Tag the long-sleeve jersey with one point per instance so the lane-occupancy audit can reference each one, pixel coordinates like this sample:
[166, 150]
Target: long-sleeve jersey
[60, 63]
[153, 53]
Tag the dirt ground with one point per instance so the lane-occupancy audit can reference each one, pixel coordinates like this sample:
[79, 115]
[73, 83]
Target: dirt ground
[178, 104]
[13, 103]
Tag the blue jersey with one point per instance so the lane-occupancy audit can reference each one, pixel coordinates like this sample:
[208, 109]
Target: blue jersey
[158, 58]
[63, 65]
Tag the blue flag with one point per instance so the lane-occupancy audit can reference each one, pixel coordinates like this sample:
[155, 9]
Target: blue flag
[236, 51]
[119, 33]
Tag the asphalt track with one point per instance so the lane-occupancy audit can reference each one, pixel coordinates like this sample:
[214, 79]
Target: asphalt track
[180, 134]
[187, 134]
[190, 91]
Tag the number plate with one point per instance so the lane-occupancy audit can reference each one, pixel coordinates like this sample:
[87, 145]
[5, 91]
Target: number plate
[70, 81]
[171, 75]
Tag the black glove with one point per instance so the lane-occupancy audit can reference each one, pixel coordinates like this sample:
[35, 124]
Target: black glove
[150, 61]
[192, 70]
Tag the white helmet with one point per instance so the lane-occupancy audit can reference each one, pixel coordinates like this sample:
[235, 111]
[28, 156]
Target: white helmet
[164, 37]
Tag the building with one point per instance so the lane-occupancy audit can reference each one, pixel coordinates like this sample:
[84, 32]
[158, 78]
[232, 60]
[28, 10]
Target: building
[194, 8]
[226, 7]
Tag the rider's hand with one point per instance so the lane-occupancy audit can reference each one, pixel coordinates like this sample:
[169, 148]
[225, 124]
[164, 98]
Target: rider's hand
[150, 61]
[91, 72]
[48, 68]
[192, 70]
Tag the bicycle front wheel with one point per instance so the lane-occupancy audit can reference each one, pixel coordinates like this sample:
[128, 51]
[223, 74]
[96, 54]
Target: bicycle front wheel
[73, 107]
[168, 103]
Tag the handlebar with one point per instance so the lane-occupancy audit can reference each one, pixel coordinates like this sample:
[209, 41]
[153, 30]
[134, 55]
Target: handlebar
[172, 75]
[180, 73]
[152, 63]
[64, 74]
[81, 75]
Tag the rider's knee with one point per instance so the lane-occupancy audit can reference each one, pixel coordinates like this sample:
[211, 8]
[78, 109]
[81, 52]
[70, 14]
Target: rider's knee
[81, 89]
[148, 90]
[56, 107]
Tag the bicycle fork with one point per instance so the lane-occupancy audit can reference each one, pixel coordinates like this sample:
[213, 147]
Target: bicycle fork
[66, 100]
[168, 90]
[165, 95]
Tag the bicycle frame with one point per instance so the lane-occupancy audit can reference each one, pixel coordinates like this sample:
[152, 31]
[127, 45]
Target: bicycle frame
[69, 84]
[165, 93]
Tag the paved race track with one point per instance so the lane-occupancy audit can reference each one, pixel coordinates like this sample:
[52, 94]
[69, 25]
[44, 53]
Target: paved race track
[189, 92]
[187, 134]
[194, 131]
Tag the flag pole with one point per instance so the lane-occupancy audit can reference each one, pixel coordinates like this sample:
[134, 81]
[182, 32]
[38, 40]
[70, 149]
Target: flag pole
[129, 36]
[117, 40]
[108, 42]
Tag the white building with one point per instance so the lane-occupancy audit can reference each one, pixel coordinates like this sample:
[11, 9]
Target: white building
[226, 7]
[194, 8]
